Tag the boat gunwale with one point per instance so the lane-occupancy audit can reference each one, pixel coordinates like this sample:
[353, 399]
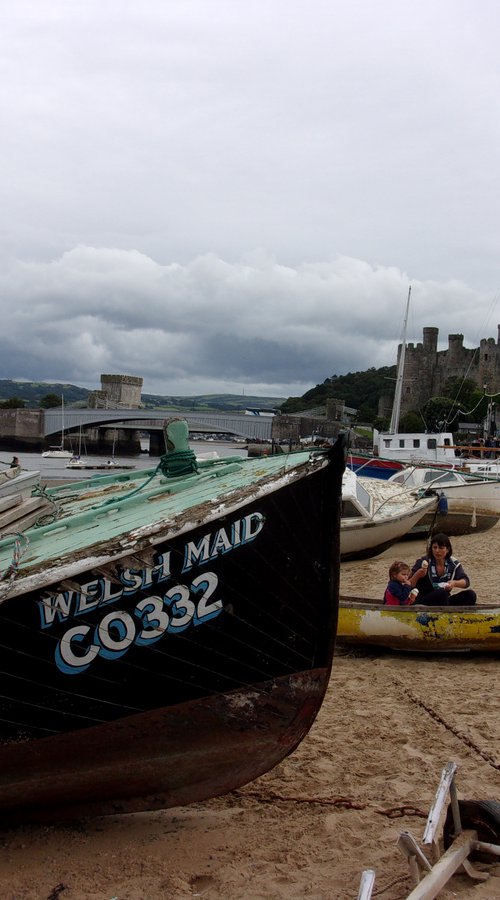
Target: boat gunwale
[368, 603]
[134, 540]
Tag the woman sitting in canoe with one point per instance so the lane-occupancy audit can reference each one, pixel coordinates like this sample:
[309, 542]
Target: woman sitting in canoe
[438, 573]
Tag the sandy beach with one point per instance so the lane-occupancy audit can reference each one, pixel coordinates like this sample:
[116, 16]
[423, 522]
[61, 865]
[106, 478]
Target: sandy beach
[368, 770]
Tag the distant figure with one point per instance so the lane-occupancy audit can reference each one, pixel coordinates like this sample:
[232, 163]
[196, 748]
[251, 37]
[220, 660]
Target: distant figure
[400, 591]
[14, 463]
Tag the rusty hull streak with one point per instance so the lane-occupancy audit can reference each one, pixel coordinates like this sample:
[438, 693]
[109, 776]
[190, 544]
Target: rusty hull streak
[188, 752]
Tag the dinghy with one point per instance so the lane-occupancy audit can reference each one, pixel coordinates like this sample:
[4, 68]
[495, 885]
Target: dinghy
[432, 629]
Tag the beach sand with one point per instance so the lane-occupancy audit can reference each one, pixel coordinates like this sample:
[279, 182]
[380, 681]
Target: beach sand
[368, 770]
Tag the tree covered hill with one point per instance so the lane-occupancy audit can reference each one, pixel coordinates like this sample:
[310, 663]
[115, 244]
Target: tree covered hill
[359, 390]
[32, 394]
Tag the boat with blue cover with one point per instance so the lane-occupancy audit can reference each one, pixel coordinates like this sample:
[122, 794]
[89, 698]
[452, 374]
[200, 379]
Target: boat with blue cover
[169, 635]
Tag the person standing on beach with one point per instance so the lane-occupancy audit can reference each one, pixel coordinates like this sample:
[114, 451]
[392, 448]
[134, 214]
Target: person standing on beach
[438, 573]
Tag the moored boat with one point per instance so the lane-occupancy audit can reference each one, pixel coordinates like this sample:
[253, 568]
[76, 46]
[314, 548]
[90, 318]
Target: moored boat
[76, 462]
[376, 514]
[436, 629]
[170, 636]
[466, 504]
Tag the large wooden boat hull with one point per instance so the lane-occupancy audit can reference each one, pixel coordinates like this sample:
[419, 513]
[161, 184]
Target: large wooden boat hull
[418, 628]
[162, 758]
[185, 663]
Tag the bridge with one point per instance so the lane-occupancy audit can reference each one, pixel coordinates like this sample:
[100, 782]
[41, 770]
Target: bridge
[249, 427]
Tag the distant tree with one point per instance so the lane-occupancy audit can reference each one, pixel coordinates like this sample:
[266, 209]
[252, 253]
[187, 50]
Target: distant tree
[462, 390]
[293, 404]
[13, 403]
[50, 401]
[410, 422]
[437, 412]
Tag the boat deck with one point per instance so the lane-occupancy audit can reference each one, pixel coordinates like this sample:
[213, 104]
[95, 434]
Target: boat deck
[112, 515]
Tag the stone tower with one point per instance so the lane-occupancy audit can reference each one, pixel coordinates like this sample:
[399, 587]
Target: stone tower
[427, 369]
[117, 391]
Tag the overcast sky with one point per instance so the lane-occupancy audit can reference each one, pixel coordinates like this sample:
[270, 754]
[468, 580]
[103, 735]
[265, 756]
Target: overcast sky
[219, 195]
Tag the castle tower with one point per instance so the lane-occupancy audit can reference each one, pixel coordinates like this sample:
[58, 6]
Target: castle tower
[118, 390]
[420, 361]
[123, 390]
[430, 339]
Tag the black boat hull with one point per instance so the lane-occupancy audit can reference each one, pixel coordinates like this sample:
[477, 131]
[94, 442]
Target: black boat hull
[180, 672]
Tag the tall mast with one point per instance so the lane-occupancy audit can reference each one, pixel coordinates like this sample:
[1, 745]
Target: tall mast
[396, 406]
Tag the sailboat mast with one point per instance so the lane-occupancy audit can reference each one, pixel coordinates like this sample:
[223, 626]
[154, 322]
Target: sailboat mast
[396, 406]
[62, 421]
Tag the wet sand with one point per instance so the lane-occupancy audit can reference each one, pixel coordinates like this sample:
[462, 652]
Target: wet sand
[368, 770]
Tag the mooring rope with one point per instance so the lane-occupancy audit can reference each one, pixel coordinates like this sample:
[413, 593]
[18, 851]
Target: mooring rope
[12, 569]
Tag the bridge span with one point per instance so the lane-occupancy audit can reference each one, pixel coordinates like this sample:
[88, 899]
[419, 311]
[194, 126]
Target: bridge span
[251, 427]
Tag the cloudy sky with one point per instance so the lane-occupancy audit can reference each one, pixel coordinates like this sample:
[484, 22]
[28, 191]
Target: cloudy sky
[219, 195]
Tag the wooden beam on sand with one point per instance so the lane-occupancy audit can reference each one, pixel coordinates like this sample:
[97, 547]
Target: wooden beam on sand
[366, 885]
[442, 871]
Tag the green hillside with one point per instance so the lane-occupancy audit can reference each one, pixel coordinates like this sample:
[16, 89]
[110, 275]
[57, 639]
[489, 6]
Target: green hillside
[33, 392]
[359, 390]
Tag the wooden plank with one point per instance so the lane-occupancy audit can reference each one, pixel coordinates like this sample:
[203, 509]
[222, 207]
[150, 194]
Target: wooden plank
[19, 512]
[408, 845]
[25, 521]
[9, 501]
[443, 870]
[437, 808]
[366, 884]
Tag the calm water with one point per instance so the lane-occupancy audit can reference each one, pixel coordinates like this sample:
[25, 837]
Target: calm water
[55, 469]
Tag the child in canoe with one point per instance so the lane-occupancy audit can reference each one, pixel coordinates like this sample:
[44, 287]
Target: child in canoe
[400, 591]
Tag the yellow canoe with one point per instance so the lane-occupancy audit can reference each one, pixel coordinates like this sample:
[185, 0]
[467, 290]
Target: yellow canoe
[429, 629]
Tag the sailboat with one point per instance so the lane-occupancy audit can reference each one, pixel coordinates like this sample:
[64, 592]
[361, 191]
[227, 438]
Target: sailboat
[81, 462]
[59, 452]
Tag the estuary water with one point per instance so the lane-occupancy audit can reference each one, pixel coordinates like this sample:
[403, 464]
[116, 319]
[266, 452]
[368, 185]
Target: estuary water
[52, 470]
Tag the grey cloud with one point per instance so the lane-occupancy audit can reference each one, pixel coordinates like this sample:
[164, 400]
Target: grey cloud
[210, 193]
[214, 322]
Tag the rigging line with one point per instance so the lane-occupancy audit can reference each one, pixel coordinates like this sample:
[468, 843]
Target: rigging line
[481, 329]
[484, 324]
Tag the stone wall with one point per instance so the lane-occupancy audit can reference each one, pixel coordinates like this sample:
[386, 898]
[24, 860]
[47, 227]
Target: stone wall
[285, 428]
[427, 368]
[21, 429]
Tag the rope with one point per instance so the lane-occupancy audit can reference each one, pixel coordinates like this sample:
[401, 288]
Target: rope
[48, 517]
[178, 463]
[12, 570]
[172, 465]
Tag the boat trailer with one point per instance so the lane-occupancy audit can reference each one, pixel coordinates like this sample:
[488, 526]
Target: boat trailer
[457, 826]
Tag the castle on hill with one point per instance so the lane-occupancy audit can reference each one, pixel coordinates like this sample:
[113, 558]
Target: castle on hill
[427, 369]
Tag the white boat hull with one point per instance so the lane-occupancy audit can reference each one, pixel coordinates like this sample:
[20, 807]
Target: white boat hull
[57, 454]
[363, 538]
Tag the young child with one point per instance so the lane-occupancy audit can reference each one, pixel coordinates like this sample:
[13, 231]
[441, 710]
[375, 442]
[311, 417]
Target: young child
[400, 591]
